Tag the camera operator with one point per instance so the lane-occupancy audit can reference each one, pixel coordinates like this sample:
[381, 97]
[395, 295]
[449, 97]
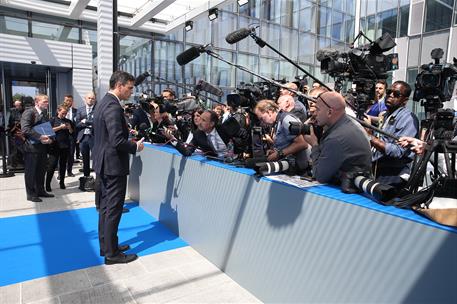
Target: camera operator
[211, 138]
[84, 124]
[392, 162]
[142, 116]
[168, 95]
[287, 103]
[161, 121]
[343, 145]
[284, 144]
[380, 102]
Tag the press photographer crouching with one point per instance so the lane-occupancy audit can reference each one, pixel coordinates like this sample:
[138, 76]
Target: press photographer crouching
[343, 147]
[285, 145]
[211, 138]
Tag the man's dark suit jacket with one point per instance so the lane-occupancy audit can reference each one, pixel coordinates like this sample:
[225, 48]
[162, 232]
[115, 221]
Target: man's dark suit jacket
[139, 117]
[80, 126]
[29, 119]
[111, 145]
[201, 142]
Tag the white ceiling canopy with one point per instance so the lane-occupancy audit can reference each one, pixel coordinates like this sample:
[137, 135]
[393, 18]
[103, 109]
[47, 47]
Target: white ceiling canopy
[167, 15]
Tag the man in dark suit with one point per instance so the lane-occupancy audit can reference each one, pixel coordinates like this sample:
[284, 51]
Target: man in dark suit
[111, 163]
[84, 125]
[210, 137]
[71, 115]
[35, 149]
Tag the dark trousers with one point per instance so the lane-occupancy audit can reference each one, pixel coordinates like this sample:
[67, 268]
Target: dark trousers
[86, 144]
[71, 155]
[113, 189]
[34, 172]
[57, 156]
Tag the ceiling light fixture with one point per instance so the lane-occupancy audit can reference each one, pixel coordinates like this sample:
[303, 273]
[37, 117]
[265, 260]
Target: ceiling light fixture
[213, 13]
[189, 25]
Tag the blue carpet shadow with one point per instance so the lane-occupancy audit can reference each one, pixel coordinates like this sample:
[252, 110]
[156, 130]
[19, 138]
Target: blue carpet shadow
[40, 245]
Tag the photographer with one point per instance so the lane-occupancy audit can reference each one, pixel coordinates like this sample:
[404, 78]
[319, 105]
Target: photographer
[84, 125]
[287, 104]
[211, 138]
[343, 145]
[284, 144]
[392, 162]
[161, 121]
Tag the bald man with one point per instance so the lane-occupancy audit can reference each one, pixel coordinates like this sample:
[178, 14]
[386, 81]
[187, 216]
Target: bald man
[343, 147]
[290, 85]
[287, 103]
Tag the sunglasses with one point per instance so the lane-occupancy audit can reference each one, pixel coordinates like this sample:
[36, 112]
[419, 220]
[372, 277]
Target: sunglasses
[395, 93]
[319, 96]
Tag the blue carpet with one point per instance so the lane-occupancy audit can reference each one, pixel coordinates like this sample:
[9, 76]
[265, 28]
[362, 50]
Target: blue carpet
[40, 245]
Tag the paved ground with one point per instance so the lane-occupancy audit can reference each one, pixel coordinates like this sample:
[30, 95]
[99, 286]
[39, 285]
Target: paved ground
[175, 276]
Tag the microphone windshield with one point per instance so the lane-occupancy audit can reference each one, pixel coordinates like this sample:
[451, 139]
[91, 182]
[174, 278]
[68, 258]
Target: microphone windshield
[208, 87]
[188, 55]
[141, 78]
[238, 35]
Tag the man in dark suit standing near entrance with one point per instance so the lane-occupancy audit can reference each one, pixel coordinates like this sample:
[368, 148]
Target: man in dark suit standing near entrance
[111, 163]
[84, 125]
[35, 149]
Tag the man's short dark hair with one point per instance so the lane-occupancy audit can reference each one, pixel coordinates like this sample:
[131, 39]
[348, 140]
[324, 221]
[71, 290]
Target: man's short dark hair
[405, 85]
[213, 116]
[383, 82]
[68, 96]
[169, 90]
[120, 77]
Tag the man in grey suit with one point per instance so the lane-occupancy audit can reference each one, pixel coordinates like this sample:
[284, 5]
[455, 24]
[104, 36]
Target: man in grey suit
[111, 163]
[84, 125]
[35, 149]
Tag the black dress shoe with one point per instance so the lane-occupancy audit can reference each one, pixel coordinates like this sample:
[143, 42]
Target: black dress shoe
[48, 188]
[120, 247]
[62, 186]
[70, 174]
[121, 258]
[34, 199]
[45, 194]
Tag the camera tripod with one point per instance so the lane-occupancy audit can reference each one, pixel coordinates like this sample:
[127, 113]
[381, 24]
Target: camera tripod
[434, 148]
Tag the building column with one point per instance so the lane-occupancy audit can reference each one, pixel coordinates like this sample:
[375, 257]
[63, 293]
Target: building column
[104, 46]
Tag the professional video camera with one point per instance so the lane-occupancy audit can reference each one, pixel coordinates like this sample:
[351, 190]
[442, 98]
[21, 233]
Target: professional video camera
[245, 96]
[297, 128]
[435, 82]
[363, 66]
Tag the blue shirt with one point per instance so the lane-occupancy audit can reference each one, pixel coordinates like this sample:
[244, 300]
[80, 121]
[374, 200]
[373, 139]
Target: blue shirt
[377, 108]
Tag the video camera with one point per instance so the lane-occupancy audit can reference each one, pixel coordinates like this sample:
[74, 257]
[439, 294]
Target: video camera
[245, 96]
[363, 66]
[435, 82]
[297, 128]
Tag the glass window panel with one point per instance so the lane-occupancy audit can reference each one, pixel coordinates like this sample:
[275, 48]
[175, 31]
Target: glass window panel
[165, 66]
[248, 44]
[384, 5]
[271, 10]
[129, 45]
[250, 62]
[287, 71]
[307, 20]
[271, 33]
[413, 52]
[324, 21]
[326, 3]
[197, 69]
[350, 7]
[90, 36]
[338, 4]
[252, 8]
[201, 33]
[349, 29]
[287, 9]
[14, 26]
[177, 34]
[437, 40]
[371, 7]
[306, 49]
[323, 42]
[337, 26]
[371, 28]
[387, 22]
[55, 32]
[305, 4]
[223, 25]
[363, 8]
[404, 18]
[268, 68]
[223, 74]
[439, 14]
[289, 43]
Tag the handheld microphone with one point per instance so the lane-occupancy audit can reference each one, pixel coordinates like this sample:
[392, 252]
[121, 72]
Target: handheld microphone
[191, 54]
[208, 87]
[141, 78]
[238, 35]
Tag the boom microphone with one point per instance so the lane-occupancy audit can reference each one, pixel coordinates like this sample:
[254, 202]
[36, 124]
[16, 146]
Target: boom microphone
[141, 78]
[238, 35]
[190, 54]
[208, 87]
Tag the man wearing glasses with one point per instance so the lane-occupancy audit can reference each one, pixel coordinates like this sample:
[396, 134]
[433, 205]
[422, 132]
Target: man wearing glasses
[391, 161]
[344, 146]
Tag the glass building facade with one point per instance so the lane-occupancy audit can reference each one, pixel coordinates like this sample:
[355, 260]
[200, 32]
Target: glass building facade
[296, 28]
